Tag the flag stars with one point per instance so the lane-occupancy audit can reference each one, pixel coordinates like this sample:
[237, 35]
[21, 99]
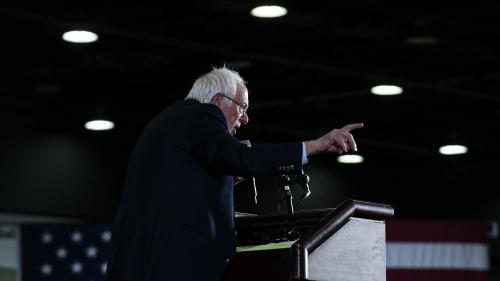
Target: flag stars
[46, 238]
[61, 253]
[69, 251]
[106, 236]
[104, 267]
[91, 252]
[76, 237]
[46, 269]
[76, 268]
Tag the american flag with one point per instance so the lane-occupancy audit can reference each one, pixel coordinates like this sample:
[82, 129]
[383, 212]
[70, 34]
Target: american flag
[64, 251]
[433, 250]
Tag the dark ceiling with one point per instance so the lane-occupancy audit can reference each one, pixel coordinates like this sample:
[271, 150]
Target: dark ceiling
[307, 72]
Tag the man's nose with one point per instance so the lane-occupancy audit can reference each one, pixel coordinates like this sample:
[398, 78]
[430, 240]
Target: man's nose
[244, 118]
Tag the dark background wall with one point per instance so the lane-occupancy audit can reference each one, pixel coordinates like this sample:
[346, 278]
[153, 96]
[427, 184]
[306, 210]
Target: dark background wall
[57, 174]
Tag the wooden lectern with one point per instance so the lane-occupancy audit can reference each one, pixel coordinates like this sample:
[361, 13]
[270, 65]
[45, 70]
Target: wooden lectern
[342, 244]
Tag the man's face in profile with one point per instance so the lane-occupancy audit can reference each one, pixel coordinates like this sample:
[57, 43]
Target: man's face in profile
[234, 110]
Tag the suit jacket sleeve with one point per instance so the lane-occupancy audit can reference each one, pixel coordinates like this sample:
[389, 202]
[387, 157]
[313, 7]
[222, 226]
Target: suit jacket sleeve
[211, 143]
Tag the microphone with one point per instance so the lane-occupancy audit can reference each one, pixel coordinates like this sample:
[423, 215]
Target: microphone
[252, 187]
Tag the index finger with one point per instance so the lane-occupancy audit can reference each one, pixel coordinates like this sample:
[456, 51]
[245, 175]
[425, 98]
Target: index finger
[350, 127]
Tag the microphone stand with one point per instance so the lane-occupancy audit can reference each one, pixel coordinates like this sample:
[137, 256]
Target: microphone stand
[286, 182]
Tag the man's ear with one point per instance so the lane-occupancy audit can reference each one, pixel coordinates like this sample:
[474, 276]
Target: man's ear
[217, 99]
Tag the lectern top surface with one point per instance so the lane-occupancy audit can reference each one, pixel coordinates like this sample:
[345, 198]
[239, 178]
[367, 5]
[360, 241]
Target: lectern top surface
[241, 215]
[264, 247]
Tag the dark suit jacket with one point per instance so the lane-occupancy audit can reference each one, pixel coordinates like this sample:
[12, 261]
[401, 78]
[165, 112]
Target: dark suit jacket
[175, 220]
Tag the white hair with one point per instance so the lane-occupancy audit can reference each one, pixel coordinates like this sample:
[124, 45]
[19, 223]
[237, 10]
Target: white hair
[219, 80]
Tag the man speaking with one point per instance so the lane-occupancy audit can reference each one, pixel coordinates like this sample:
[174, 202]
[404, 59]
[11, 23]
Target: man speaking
[175, 220]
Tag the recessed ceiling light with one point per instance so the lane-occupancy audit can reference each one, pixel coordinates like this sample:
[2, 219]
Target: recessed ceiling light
[80, 36]
[268, 11]
[453, 149]
[99, 125]
[350, 159]
[386, 90]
